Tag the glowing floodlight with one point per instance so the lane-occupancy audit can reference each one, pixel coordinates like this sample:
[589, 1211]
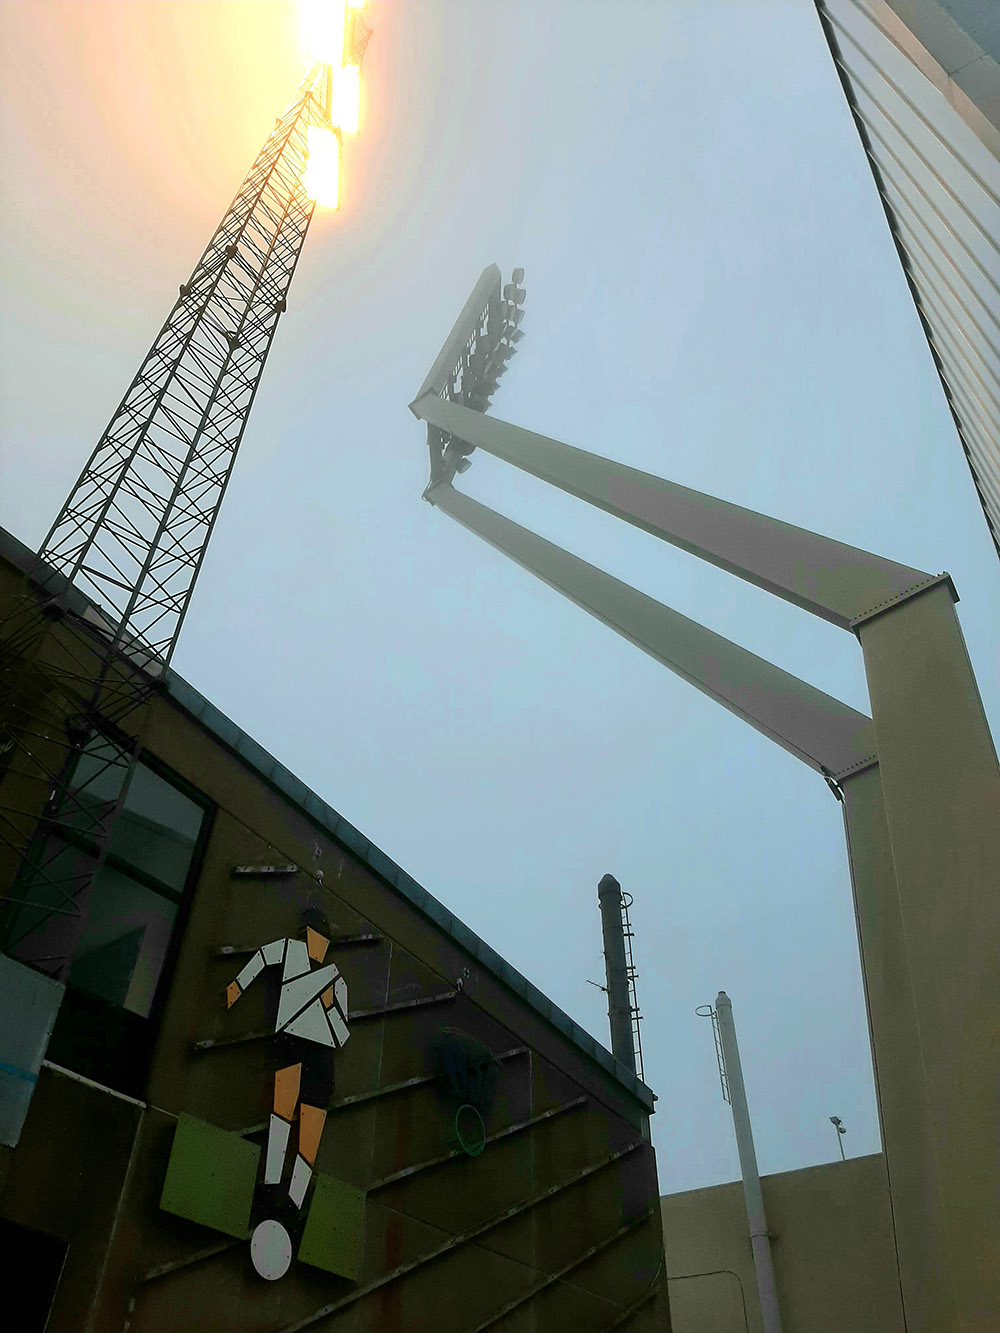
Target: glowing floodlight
[323, 23]
[345, 110]
[322, 173]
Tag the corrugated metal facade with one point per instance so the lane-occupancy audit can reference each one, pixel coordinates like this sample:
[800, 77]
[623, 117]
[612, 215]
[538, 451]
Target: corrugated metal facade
[934, 158]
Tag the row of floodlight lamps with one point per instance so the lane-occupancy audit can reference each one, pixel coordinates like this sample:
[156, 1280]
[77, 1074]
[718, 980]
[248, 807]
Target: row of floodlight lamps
[483, 362]
[499, 345]
[336, 36]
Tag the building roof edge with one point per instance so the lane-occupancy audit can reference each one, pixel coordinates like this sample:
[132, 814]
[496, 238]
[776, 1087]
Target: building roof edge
[272, 771]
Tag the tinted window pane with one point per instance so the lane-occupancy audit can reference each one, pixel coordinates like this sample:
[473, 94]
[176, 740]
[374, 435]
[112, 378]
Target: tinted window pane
[97, 780]
[158, 829]
[43, 934]
[124, 942]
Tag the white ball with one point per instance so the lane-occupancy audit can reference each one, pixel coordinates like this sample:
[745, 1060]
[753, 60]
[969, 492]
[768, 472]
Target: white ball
[270, 1249]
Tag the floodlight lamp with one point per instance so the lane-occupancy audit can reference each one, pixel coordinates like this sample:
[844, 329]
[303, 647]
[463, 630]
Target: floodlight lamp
[517, 276]
[345, 112]
[515, 316]
[322, 171]
[463, 465]
[515, 336]
[514, 293]
[835, 1120]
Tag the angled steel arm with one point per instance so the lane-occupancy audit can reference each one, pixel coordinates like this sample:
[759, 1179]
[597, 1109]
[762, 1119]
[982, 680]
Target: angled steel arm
[824, 733]
[839, 583]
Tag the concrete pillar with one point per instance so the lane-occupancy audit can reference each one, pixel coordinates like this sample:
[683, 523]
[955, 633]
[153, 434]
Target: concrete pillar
[941, 783]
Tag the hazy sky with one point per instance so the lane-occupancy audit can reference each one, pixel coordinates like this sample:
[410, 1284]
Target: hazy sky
[712, 295]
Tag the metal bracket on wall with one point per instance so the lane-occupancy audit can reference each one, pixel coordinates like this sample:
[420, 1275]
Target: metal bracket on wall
[453, 1242]
[406, 1171]
[263, 872]
[355, 1016]
[358, 1097]
[336, 941]
[552, 1278]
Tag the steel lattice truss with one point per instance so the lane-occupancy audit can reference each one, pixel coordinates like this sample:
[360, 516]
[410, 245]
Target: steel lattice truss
[133, 533]
[132, 537]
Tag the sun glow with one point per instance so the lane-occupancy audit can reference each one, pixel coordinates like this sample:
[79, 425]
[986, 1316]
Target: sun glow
[323, 25]
[322, 173]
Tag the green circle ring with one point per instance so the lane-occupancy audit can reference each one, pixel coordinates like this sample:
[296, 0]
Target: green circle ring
[474, 1148]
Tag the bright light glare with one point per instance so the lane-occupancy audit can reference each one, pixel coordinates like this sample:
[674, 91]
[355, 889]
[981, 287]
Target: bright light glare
[322, 174]
[346, 108]
[322, 23]
[355, 4]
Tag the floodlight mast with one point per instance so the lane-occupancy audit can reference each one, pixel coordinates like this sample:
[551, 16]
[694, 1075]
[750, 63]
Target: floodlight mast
[85, 644]
[919, 785]
[471, 363]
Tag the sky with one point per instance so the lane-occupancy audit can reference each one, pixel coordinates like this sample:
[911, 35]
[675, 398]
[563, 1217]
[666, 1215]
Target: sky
[712, 296]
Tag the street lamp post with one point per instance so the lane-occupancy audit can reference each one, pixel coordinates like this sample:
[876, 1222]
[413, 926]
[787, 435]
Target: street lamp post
[835, 1121]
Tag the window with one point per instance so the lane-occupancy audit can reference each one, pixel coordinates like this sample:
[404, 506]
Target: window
[120, 953]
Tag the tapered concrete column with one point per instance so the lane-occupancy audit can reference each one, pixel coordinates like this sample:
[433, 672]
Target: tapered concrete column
[897, 1061]
[941, 783]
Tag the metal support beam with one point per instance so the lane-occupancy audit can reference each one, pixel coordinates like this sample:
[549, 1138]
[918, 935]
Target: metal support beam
[832, 738]
[837, 582]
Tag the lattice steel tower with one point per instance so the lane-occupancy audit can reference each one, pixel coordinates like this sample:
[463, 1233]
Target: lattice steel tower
[133, 534]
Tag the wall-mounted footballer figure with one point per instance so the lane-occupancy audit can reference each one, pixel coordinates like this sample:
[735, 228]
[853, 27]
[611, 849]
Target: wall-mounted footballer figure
[312, 1013]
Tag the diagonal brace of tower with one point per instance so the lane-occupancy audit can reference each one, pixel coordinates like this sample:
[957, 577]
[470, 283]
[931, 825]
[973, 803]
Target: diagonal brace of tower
[131, 538]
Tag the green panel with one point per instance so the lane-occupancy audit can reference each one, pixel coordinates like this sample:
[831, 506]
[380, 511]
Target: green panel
[334, 1227]
[210, 1177]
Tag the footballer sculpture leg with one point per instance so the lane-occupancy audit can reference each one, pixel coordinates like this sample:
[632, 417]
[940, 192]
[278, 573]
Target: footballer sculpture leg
[311, 1122]
[286, 1095]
